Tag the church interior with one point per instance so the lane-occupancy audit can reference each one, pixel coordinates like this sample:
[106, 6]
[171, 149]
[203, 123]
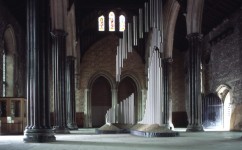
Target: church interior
[74, 72]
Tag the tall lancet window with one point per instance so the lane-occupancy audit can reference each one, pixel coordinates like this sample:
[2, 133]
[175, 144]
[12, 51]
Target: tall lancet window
[101, 23]
[121, 23]
[111, 21]
[4, 72]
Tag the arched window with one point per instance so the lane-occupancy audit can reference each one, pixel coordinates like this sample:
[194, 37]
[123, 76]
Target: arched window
[8, 62]
[101, 23]
[4, 71]
[111, 21]
[121, 23]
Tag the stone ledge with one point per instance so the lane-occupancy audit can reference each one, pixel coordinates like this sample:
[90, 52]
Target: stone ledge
[154, 134]
[113, 129]
[152, 130]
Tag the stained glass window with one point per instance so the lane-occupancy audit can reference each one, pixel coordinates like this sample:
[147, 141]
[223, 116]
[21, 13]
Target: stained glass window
[101, 23]
[111, 21]
[121, 23]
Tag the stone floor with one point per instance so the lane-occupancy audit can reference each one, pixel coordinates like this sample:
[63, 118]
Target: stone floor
[86, 139]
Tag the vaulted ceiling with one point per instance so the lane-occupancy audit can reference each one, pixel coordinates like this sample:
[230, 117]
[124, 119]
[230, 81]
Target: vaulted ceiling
[215, 11]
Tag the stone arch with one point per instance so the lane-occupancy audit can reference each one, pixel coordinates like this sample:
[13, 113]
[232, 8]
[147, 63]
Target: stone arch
[139, 101]
[223, 90]
[194, 16]
[171, 10]
[224, 93]
[88, 93]
[106, 75]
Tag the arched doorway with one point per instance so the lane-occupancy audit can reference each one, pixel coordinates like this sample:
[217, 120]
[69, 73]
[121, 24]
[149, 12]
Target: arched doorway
[101, 100]
[216, 110]
[126, 87]
[225, 95]
[212, 112]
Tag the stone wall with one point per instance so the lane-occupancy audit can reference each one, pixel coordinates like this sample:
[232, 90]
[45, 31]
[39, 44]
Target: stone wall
[178, 82]
[6, 19]
[223, 67]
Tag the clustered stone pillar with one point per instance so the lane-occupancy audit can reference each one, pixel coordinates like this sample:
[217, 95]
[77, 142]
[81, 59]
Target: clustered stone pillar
[194, 83]
[70, 93]
[38, 117]
[166, 107]
[59, 63]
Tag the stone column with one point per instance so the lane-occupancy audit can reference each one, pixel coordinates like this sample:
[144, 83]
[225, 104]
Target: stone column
[88, 108]
[194, 83]
[115, 101]
[166, 94]
[114, 97]
[143, 103]
[38, 117]
[58, 69]
[70, 93]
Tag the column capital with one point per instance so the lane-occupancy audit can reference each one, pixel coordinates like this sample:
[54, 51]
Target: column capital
[114, 89]
[87, 90]
[167, 60]
[58, 33]
[70, 58]
[191, 36]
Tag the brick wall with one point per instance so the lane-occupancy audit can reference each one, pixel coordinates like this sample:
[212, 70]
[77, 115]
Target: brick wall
[102, 57]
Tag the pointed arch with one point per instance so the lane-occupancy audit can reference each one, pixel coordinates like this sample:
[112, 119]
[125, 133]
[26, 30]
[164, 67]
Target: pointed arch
[138, 101]
[101, 23]
[101, 100]
[106, 75]
[171, 10]
[111, 17]
[88, 94]
[9, 50]
[224, 93]
[194, 16]
[121, 23]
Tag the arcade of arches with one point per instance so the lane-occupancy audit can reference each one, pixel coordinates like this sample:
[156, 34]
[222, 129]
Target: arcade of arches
[67, 67]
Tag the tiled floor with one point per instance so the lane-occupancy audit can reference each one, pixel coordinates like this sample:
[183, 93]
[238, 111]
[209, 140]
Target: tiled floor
[86, 139]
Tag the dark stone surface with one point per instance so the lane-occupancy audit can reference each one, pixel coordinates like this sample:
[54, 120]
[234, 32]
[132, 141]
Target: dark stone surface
[194, 128]
[39, 135]
[154, 134]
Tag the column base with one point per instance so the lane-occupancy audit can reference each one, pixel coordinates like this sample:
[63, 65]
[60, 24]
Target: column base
[39, 135]
[72, 126]
[195, 128]
[61, 130]
[169, 126]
